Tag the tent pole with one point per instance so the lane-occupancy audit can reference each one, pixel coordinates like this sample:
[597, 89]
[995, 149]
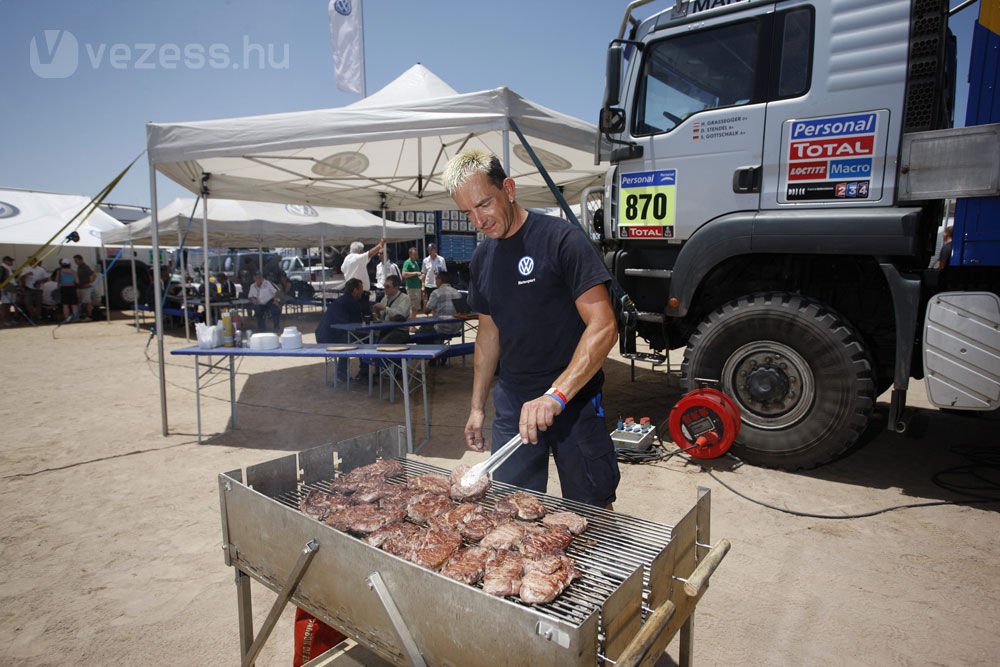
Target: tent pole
[184, 287]
[104, 279]
[135, 287]
[157, 295]
[506, 152]
[204, 236]
[322, 270]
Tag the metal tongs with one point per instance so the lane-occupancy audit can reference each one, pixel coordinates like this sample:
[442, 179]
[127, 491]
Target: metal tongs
[473, 474]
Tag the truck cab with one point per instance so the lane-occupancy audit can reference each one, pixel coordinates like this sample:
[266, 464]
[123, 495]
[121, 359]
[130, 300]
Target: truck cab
[763, 210]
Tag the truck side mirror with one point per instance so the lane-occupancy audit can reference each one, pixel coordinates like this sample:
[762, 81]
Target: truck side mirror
[612, 120]
[613, 76]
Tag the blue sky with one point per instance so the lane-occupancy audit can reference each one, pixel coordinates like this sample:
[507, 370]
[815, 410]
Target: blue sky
[73, 134]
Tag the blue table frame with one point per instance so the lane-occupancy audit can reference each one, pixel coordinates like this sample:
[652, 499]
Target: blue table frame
[420, 353]
[364, 332]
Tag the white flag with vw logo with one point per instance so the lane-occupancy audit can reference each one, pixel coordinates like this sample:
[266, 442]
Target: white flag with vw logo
[348, 55]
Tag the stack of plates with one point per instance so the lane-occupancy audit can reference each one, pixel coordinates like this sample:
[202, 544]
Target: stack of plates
[264, 341]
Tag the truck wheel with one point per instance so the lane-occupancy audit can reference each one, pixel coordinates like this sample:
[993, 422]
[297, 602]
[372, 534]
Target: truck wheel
[800, 375]
[121, 291]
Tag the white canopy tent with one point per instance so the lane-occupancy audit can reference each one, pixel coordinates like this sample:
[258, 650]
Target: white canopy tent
[32, 218]
[388, 149]
[238, 224]
[384, 152]
[29, 220]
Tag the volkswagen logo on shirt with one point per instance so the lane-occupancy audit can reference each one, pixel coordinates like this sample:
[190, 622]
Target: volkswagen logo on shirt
[8, 210]
[525, 266]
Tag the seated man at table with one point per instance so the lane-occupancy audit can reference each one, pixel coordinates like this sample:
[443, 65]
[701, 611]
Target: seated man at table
[442, 304]
[343, 310]
[224, 286]
[394, 307]
[263, 296]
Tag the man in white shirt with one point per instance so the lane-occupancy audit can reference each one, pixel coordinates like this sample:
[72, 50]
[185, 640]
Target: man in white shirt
[433, 265]
[385, 268]
[262, 296]
[355, 264]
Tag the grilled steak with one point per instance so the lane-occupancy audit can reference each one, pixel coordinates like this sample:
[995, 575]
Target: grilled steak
[397, 496]
[552, 540]
[502, 575]
[539, 586]
[370, 490]
[318, 504]
[437, 546]
[383, 469]
[504, 536]
[364, 519]
[463, 493]
[572, 521]
[526, 505]
[431, 483]
[477, 524]
[404, 539]
[456, 517]
[373, 472]
[467, 565]
[377, 538]
[424, 506]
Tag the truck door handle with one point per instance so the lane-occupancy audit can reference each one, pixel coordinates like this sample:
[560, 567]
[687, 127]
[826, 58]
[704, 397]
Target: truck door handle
[746, 179]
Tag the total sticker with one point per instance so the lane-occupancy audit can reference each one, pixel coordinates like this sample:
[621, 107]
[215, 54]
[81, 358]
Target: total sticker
[648, 198]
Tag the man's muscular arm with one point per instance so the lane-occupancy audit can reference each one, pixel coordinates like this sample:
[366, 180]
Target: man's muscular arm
[484, 366]
[598, 338]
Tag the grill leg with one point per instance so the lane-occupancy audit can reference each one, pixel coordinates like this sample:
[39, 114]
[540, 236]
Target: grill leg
[305, 557]
[687, 643]
[245, 610]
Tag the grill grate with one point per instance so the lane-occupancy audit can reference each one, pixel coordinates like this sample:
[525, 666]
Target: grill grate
[611, 548]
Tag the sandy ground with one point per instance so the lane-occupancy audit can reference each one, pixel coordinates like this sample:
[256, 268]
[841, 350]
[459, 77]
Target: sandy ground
[110, 549]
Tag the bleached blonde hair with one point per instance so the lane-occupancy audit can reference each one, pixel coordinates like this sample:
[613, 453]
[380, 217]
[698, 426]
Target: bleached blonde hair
[472, 161]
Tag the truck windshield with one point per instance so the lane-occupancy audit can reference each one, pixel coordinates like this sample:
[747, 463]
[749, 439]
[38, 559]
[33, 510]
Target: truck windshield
[692, 72]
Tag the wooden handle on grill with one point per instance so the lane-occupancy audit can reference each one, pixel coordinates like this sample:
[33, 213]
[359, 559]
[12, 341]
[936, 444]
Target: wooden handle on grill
[705, 568]
[636, 651]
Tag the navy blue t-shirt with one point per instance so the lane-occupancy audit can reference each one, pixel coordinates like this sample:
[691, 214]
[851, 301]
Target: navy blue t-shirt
[529, 284]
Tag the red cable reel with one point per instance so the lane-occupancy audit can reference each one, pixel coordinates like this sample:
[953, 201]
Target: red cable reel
[705, 422]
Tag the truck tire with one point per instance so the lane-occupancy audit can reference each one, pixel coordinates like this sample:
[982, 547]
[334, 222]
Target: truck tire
[120, 291]
[798, 372]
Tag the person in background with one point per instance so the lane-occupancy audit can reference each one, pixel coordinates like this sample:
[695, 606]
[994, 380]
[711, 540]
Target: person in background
[355, 264]
[394, 307]
[433, 265]
[50, 295]
[345, 309]
[224, 286]
[263, 295]
[945, 254]
[9, 292]
[32, 297]
[68, 285]
[85, 277]
[413, 279]
[442, 304]
[385, 268]
[546, 321]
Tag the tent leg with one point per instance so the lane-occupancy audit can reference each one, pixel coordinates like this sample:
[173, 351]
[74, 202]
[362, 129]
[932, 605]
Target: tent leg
[135, 289]
[104, 278]
[157, 295]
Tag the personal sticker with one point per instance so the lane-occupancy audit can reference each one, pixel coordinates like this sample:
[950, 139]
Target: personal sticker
[647, 202]
[830, 158]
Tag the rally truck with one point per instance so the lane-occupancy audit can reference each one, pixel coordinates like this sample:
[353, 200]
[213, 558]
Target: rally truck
[779, 173]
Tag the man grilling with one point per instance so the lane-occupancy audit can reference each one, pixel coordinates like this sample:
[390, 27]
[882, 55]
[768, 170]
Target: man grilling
[545, 317]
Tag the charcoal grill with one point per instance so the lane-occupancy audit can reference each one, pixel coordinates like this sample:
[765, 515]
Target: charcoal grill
[640, 580]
